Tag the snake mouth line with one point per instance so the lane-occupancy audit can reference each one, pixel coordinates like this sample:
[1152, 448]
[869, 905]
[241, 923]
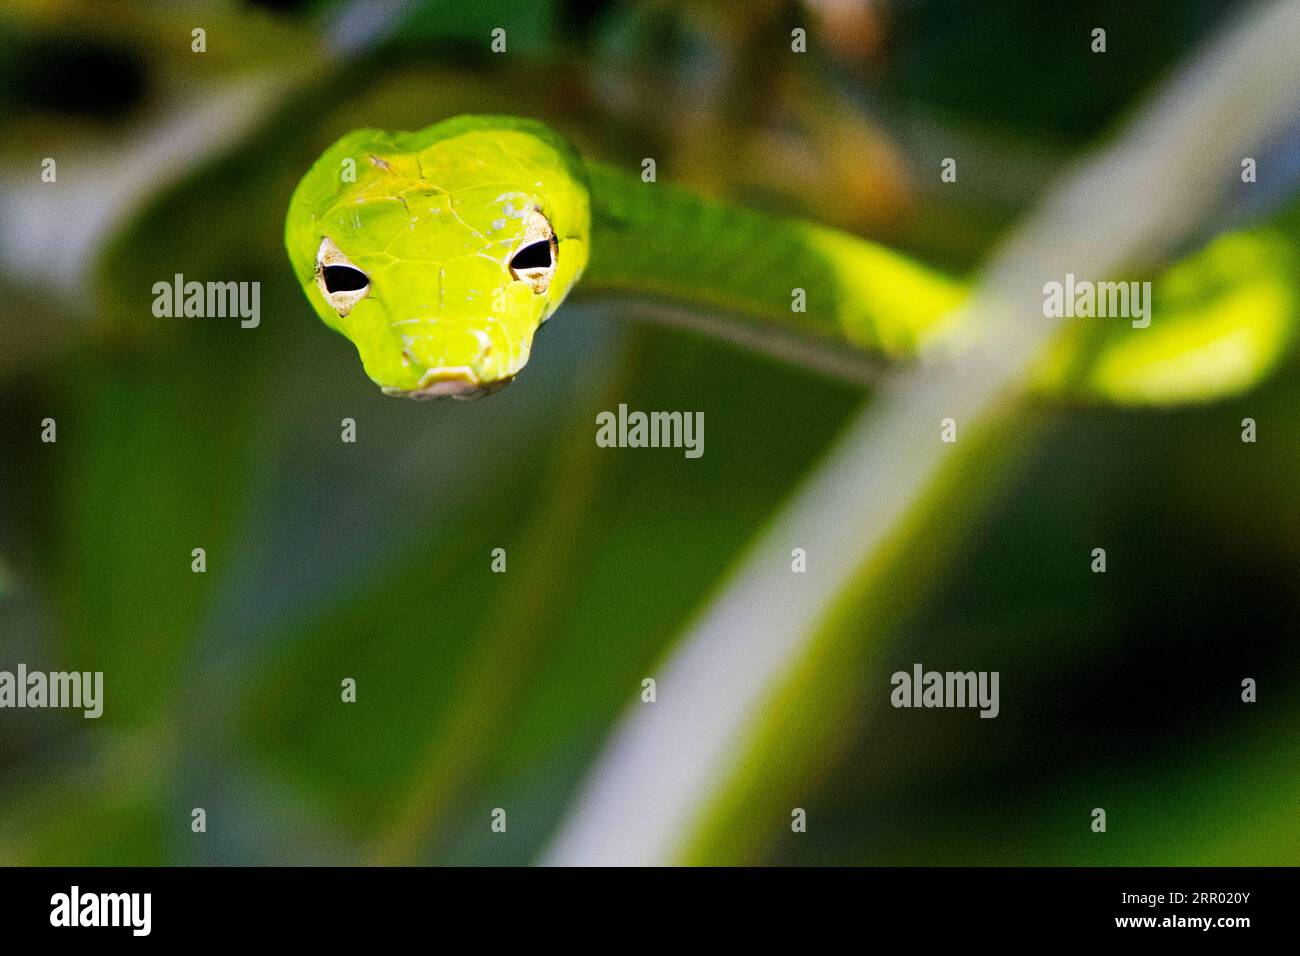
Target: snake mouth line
[460, 382]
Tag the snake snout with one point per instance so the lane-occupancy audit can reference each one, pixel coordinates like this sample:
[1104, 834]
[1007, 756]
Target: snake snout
[452, 360]
[460, 382]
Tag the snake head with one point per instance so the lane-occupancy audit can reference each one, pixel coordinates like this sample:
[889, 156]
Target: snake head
[439, 253]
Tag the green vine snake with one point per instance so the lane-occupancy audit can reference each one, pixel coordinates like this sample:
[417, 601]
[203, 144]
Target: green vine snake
[439, 254]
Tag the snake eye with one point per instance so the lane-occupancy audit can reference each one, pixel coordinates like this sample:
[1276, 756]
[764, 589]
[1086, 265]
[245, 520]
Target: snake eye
[341, 283]
[343, 279]
[534, 261]
[535, 256]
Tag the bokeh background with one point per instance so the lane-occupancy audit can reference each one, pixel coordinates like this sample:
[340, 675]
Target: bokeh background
[371, 560]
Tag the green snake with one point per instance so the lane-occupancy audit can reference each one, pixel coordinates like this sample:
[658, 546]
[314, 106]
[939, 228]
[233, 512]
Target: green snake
[439, 254]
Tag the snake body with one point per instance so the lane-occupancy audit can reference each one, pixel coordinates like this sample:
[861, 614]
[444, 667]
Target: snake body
[439, 253]
[411, 245]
